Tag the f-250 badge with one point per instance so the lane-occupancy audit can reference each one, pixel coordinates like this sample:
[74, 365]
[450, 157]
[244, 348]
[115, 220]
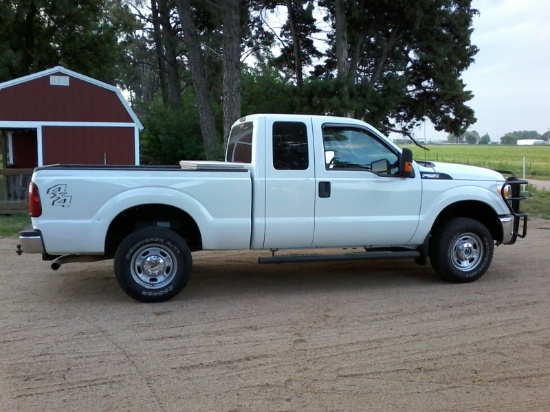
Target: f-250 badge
[58, 195]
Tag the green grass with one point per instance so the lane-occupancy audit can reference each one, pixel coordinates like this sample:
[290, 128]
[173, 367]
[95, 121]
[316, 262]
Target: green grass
[537, 158]
[11, 225]
[538, 204]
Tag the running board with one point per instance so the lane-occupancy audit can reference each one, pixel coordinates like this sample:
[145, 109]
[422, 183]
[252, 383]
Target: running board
[61, 260]
[340, 257]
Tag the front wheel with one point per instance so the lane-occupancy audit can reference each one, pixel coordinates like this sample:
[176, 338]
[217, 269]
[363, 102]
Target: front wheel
[461, 250]
[153, 264]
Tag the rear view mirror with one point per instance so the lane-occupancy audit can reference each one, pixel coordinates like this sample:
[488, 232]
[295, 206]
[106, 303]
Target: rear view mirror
[406, 163]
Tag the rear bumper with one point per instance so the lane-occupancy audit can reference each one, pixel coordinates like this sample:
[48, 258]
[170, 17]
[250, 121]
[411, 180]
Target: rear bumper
[30, 241]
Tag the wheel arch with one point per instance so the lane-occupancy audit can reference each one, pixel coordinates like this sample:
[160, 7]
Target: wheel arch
[472, 209]
[152, 214]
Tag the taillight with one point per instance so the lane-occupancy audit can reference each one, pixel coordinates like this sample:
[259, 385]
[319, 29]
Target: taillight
[35, 207]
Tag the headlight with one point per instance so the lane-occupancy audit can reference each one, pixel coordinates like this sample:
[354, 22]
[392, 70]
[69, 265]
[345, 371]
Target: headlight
[506, 190]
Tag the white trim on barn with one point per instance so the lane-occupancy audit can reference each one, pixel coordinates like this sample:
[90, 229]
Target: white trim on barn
[33, 124]
[40, 160]
[38, 126]
[9, 160]
[136, 146]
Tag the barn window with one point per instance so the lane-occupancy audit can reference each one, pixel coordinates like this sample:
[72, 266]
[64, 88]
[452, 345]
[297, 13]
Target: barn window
[59, 80]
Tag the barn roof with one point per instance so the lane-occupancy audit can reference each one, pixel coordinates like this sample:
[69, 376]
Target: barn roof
[67, 72]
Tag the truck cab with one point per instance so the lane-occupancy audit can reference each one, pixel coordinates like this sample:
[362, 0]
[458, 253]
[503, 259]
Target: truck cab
[323, 183]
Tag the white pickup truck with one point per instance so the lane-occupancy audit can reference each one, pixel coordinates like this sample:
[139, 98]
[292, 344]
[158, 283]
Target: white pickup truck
[288, 182]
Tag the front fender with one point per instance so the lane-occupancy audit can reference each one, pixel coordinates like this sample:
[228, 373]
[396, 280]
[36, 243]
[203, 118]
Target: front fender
[435, 200]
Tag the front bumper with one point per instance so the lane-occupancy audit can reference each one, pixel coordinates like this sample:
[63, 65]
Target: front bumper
[511, 228]
[30, 241]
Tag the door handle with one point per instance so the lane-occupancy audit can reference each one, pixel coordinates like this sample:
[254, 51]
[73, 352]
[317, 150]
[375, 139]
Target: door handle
[324, 189]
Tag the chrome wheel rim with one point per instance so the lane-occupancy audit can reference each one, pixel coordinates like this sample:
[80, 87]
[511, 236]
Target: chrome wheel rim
[153, 266]
[467, 252]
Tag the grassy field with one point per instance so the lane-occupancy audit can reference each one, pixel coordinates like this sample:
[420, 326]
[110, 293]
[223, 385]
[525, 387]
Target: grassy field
[537, 158]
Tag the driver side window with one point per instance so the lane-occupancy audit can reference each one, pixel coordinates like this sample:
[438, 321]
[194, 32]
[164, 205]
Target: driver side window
[357, 149]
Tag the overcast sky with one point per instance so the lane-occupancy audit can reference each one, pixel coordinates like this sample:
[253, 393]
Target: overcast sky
[511, 74]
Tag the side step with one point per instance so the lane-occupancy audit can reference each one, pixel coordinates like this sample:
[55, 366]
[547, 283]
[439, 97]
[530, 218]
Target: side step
[384, 254]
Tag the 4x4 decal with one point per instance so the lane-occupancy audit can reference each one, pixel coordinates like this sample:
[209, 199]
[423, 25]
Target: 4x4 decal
[59, 196]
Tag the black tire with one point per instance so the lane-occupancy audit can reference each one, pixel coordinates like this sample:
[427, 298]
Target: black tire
[461, 250]
[153, 264]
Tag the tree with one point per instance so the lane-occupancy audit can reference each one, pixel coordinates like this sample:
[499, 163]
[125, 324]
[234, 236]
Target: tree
[403, 63]
[166, 42]
[391, 66]
[87, 37]
[471, 137]
[452, 138]
[172, 133]
[198, 74]
[485, 139]
[231, 65]
[508, 138]
[260, 82]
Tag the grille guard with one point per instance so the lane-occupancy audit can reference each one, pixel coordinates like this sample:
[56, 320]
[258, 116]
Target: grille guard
[513, 202]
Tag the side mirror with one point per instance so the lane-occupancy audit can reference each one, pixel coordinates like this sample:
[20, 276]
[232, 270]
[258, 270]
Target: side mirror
[406, 163]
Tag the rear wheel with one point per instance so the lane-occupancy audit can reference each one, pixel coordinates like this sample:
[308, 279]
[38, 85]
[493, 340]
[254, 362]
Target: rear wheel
[153, 264]
[461, 250]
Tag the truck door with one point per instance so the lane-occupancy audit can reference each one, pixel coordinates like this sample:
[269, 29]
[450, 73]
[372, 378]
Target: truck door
[290, 184]
[360, 199]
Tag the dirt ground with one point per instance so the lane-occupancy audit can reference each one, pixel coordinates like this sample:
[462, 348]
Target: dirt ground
[540, 184]
[385, 336]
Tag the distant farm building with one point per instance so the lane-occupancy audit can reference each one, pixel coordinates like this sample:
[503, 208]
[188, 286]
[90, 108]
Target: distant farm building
[60, 116]
[532, 142]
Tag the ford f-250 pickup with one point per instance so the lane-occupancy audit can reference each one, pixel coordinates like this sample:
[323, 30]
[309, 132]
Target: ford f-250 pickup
[287, 182]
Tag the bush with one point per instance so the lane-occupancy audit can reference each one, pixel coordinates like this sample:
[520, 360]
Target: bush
[171, 134]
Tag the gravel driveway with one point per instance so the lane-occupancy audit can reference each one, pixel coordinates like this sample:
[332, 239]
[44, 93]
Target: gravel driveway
[385, 336]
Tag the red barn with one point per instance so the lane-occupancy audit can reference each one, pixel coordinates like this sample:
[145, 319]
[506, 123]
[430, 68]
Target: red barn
[60, 116]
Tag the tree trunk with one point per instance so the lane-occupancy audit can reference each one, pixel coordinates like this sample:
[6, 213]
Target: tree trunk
[170, 41]
[27, 59]
[295, 43]
[342, 65]
[232, 65]
[198, 76]
[159, 52]
[343, 72]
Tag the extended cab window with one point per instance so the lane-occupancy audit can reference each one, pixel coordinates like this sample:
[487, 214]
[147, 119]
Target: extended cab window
[290, 150]
[239, 147]
[355, 148]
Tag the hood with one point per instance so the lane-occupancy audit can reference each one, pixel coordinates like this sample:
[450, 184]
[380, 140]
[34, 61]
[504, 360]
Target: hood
[447, 171]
